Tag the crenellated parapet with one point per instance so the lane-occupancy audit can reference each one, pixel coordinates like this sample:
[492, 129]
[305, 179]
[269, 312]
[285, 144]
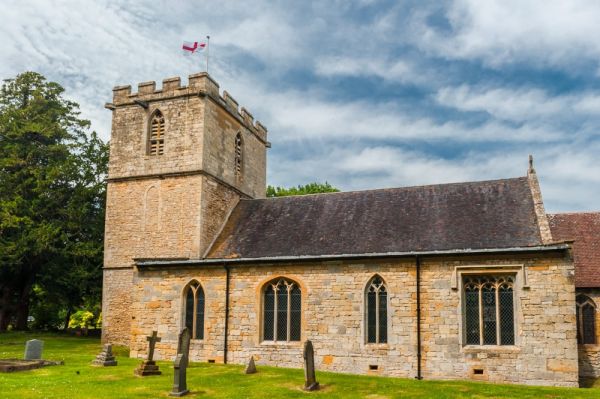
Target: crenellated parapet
[199, 84]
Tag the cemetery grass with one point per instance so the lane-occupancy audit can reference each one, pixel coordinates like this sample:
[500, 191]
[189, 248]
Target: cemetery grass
[78, 379]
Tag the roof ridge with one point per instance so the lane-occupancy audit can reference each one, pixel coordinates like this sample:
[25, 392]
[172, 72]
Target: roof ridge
[387, 189]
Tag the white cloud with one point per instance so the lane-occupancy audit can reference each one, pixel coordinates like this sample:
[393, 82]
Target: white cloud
[363, 141]
[498, 32]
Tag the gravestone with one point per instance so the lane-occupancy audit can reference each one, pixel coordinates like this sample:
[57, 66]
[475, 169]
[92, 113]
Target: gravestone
[33, 349]
[148, 366]
[181, 363]
[251, 367]
[310, 381]
[105, 358]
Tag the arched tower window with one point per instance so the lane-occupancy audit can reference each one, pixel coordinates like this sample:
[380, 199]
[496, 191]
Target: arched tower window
[194, 309]
[376, 311]
[156, 139]
[282, 313]
[586, 320]
[239, 156]
[489, 310]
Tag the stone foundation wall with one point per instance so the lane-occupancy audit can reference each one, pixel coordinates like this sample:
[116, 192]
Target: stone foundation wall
[333, 301]
[589, 355]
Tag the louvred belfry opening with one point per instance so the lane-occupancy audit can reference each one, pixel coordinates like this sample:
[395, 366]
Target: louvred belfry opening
[157, 134]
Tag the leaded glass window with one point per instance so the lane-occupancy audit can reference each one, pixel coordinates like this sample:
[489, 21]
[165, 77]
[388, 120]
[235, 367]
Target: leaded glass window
[586, 320]
[156, 140]
[489, 310]
[376, 309]
[282, 311]
[239, 156]
[194, 309]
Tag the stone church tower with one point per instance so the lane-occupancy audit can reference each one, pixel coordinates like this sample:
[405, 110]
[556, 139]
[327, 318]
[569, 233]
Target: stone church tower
[181, 158]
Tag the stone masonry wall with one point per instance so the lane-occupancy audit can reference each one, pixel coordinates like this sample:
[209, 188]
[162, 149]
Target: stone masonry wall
[116, 304]
[333, 318]
[545, 352]
[158, 306]
[172, 205]
[589, 355]
[219, 150]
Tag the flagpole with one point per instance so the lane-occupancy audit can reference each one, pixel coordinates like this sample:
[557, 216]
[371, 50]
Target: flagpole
[207, 51]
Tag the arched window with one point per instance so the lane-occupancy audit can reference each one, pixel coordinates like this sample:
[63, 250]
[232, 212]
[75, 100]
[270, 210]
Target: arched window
[489, 310]
[282, 300]
[194, 309]
[586, 320]
[376, 311]
[239, 156]
[156, 139]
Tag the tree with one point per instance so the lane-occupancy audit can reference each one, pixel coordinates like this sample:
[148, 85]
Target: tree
[310, 188]
[52, 194]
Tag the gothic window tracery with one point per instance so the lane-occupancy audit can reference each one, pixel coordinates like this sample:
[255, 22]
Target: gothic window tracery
[156, 139]
[489, 310]
[376, 311]
[586, 320]
[194, 309]
[282, 301]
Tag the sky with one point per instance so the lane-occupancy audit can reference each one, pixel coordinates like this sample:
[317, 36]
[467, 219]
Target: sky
[361, 94]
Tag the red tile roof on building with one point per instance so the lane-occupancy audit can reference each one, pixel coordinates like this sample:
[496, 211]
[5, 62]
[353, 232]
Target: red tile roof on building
[584, 229]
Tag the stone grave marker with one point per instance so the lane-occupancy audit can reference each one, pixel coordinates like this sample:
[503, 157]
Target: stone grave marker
[251, 367]
[148, 366]
[105, 358]
[310, 381]
[181, 363]
[33, 349]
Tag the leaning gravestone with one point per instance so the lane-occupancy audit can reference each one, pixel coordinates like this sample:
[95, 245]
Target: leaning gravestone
[148, 366]
[310, 381]
[181, 363]
[33, 349]
[251, 367]
[105, 358]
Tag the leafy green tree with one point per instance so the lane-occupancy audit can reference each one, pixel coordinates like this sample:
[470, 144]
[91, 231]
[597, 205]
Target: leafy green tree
[52, 194]
[310, 188]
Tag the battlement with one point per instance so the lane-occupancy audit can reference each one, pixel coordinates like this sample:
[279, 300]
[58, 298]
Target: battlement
[199, 84]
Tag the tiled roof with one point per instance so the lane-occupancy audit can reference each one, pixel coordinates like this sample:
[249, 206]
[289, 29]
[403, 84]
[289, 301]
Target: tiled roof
[584, 229]
[474, 215]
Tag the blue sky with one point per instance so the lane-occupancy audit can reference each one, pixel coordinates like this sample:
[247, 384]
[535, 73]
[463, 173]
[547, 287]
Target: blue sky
[362, 94]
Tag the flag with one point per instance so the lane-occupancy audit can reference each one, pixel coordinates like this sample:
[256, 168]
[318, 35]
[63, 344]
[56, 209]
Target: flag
[191, 48]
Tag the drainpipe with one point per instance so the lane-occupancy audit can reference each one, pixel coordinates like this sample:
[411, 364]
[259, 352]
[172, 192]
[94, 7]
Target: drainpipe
[418, 264]
[226, 313]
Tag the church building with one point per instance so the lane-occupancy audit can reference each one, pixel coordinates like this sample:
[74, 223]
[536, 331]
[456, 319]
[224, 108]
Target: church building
[452, 281]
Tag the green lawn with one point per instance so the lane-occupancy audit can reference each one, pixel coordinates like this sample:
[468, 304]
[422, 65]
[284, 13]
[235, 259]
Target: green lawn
[77, 379]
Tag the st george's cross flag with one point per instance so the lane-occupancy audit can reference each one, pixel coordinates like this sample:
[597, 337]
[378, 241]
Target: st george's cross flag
[191, 48]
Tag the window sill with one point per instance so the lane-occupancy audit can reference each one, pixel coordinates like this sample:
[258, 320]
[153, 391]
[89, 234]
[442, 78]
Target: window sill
[290, 344]
[589, 347]
[491, 349]
[372, 345]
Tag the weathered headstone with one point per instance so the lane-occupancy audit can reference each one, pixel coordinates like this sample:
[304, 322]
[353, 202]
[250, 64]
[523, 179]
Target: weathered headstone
[148, 366]
[105, 358]
[181, 363]
[33, 349]
[251, 367]
[310, 381]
